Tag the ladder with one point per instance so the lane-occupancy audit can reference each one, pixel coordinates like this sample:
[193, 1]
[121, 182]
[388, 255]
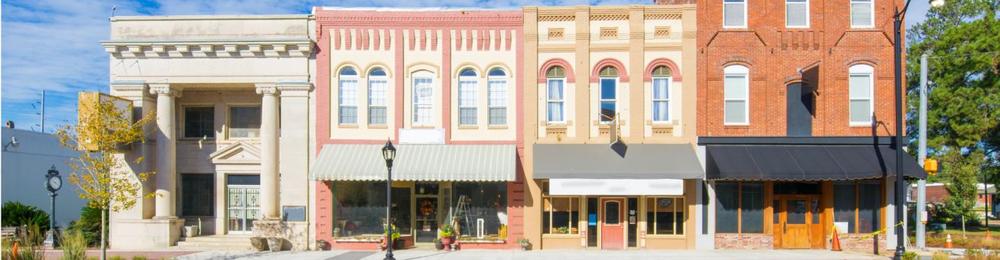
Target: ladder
[462, 212]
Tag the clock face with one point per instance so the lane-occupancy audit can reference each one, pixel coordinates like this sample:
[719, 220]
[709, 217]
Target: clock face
[55, 183]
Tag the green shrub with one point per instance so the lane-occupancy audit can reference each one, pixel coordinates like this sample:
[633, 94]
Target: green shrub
[74, 245]
[974, 253]
[16, 214]
[910, 255]
[940, 255]
[117, 257]
[138, 257]
[89, 224]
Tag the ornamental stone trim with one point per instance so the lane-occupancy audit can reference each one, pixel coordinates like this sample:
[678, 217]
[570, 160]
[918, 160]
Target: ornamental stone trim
[296, 48]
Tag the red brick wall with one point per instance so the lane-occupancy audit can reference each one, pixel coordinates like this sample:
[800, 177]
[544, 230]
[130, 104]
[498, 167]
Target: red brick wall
[775, 55]
[744, 241]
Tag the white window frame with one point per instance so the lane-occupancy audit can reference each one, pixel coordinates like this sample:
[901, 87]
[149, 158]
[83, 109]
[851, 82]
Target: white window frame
[341, 104]
[383, 79]
[601, 99]
[737, 70]
[808, 19]
[653, 99]
[422, 75]
[490, 105]
[745, 18]
[871, 18]
[862, 70]
[562, 101]
[463, 82]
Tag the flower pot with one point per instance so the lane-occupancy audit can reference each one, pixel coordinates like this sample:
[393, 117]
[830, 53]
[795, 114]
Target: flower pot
[446, 241]
[191, 231]
[274, 244]
[438, 245]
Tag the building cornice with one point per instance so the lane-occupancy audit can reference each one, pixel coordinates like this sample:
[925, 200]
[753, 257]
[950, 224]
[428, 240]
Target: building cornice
[445, 18]
[209, 48]
[210, 17]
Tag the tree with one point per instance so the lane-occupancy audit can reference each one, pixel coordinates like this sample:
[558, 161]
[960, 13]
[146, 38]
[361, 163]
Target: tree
[99, 172]
[16, 214]
[962, 39]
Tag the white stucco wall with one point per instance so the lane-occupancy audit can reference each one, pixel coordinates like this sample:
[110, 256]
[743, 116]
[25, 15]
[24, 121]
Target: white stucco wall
[24, 168]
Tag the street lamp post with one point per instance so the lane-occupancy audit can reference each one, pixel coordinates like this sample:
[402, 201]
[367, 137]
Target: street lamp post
[53, 182]
[897, 22]
[389, 154]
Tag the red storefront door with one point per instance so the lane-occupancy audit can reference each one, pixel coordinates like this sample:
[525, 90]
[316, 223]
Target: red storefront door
[612, 226]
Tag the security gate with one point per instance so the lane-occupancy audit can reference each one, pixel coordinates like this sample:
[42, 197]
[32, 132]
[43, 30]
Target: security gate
[244, 207]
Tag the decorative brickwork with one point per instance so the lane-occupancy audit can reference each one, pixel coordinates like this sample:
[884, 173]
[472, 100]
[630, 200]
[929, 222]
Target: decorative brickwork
[861, 242]
[744, 241]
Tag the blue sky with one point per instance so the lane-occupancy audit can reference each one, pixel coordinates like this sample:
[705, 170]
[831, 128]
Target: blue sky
[53, 45]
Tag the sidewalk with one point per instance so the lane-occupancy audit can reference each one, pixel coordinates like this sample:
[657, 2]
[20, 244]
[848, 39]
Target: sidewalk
[537, 255]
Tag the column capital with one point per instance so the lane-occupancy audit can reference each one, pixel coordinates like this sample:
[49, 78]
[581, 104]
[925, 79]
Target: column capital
[164, 89]
[267, 88]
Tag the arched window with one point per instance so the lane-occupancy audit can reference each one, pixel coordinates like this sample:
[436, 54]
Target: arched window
[468, 83]
[378, 84]
[609, 88]
[497, 96]
[861, 91]
[555, 79]
[348, 96]
[423, 97]
[661, 94]
[736, 95]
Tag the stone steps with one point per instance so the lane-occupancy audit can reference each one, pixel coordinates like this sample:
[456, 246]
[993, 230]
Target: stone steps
[215, 242]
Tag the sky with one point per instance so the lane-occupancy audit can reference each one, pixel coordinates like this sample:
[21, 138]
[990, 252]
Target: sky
[54, 45]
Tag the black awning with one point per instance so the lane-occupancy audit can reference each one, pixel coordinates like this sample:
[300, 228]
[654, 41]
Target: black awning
[810, 162]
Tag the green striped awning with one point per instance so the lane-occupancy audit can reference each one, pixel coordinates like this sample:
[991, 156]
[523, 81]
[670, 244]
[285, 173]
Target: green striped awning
[416, 162]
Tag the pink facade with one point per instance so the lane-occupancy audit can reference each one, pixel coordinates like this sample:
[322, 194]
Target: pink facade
[403, 43]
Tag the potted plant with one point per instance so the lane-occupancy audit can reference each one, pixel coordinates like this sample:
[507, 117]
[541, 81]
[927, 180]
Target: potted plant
[274, 244]
[525, 244]
[447, 234]
[437, 244]
[563, 230]
[395, 238]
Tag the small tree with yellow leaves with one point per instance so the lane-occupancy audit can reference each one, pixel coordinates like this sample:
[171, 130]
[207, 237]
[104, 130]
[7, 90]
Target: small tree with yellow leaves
[104, 131]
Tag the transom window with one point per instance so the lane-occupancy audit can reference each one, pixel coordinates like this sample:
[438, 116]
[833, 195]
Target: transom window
[378, 85]
[347, 96]
[797, 13]
[736, 91]
[497, 97]
[734, 13]
[555, 94]
[423, 94]
[861, 92]
[609, 88]
[862, 13]
[468, 83]
[661, 94]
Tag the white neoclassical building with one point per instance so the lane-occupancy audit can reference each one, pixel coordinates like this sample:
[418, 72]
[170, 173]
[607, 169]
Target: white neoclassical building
[234, 112]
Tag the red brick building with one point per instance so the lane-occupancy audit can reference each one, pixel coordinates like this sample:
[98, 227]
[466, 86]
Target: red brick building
[796, 113]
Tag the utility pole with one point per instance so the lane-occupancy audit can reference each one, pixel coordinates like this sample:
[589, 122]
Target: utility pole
[43, 111]
[922, 155]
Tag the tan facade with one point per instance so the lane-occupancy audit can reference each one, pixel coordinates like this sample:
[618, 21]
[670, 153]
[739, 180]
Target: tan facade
[582, 41]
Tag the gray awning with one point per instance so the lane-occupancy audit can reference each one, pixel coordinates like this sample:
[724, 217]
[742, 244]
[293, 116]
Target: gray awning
[416, 162]
[633, 161]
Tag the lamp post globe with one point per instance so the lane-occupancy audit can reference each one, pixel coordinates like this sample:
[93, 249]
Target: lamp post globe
[389, 154]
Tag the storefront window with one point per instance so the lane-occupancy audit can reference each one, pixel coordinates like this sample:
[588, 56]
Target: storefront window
[561, 215]
[858, 205]
[739, 207]
[479, 210]
[665, 216]
[359, 209]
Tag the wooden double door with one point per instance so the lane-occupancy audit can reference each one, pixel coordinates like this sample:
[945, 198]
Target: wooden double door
[797, 221]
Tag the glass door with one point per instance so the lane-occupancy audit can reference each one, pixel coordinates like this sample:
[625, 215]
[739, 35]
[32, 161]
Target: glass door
[243, 207]
[427, 212]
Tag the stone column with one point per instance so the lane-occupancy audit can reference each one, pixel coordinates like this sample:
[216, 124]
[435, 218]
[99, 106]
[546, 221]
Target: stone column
[166, 150]
[269, 151]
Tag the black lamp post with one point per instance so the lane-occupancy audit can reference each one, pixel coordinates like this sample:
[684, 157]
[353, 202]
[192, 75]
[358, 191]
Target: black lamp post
[897, 23]
[389, 154]
[53, 182]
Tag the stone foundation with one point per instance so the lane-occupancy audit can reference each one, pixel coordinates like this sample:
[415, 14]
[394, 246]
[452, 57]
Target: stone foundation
[294, 234]
[145, 233]
[861, 242]
[743, 241]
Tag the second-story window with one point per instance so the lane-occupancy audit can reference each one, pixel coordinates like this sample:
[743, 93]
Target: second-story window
[734, 13]
[862, 13]
[609, 87]
[423, 97]
[555, 94]
[199, 122]
[861, 91]
[244, 122]
[736, 95]
[661, 94]
[348, 96]
[797, 13]
[468, 83]
[497, 97]
[377, 86]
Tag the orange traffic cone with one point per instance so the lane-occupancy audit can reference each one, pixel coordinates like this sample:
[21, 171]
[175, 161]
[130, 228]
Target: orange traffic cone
[835, 244]
[947, 242]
